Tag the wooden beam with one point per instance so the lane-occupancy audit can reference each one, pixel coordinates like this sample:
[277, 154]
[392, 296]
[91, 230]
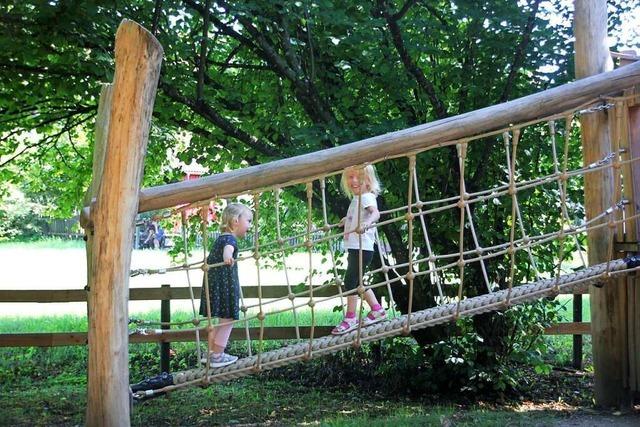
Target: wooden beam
[569, 328]
[43, 339]
[99, 154]
[429, 135]
[632, 230]
[150, 294]
[138, 56]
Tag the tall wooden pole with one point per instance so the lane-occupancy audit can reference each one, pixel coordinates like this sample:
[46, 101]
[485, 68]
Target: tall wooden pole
[631, 125]
[138, 57]
[99, 152]
[608, 304]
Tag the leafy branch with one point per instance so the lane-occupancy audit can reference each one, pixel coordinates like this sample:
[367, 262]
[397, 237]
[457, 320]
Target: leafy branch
[207, 112]
[51, 138]
[519, 56]
[411, 67]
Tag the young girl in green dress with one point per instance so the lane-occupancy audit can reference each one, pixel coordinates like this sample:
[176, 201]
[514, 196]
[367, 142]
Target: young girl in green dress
[224, 286]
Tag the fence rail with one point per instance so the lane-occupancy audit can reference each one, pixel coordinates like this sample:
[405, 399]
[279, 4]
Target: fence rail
[166, 294]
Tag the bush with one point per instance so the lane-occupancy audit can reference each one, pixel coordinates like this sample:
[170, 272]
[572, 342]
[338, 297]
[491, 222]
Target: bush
[19, 217]
[472, 362]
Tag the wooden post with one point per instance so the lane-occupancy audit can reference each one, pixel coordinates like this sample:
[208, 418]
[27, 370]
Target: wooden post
[608, 304]
[99, 151]
[577, 339]
[138, 56]
[165, 317]
[632, 229]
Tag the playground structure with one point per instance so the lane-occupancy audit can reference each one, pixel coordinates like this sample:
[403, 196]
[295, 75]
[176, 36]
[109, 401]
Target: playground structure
[124, 118]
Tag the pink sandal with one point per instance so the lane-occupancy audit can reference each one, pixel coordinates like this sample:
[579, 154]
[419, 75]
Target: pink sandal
[374, 316]
[348, 324]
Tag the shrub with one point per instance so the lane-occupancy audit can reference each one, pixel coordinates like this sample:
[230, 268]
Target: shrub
[19, 217]
[471, 361]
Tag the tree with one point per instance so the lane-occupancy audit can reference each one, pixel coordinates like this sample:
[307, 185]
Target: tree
[252, 81]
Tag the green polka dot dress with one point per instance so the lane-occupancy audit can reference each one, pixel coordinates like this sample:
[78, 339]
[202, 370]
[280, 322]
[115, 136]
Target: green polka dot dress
[224, 286]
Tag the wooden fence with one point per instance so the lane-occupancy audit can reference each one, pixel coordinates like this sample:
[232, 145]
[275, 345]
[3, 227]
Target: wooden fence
[165, 294]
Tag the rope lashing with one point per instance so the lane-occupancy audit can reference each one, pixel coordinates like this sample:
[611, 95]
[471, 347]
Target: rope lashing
[449, 271]
[418, 320]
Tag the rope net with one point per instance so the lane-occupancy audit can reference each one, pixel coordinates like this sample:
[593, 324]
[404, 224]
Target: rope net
[471, 250]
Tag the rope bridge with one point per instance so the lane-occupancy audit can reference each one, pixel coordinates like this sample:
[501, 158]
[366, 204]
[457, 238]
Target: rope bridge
[512, 256]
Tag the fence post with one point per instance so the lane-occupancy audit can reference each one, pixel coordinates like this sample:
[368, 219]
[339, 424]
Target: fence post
[577, 339]
[632, 229]
[165, 317]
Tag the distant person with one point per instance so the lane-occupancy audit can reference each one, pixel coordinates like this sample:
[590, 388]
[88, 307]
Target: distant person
[152, 240]
[142, 237]
[150, 235]
[223, 282]
[160, 237]
[362, 185]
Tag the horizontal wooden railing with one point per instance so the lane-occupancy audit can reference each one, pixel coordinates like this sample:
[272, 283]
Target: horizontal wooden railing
[393, 144]
[145, 294]
[56, 339]
[166, 294]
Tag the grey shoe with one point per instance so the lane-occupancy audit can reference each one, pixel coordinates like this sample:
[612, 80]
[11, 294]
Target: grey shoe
[223, 360]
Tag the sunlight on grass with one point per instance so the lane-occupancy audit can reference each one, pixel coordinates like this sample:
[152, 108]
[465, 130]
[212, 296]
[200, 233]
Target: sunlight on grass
[45, 243]
[75, 323]
[303, 316]
[35, 324]
[437, 416]
[566, 308]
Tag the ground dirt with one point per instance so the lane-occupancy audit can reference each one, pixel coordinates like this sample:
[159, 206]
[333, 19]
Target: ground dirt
[597, 419]
[568, 393]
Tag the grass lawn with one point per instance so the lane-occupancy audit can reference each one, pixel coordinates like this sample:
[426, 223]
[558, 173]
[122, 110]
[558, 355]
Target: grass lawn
[255, 402]
[47, 386]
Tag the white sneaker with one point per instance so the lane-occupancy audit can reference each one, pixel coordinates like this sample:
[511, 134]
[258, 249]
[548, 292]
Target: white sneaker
[223, 359]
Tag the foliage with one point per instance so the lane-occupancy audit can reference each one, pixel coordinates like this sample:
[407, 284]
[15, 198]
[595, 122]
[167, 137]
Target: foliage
[466, 363]
[268, 80]
[266, 93]
[254, 401]
[376, 383]
[19, 217]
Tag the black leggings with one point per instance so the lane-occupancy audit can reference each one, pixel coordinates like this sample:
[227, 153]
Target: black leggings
[351, 276]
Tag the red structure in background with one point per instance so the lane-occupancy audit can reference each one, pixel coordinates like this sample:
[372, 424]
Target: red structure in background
[150, 226]
[194, 171]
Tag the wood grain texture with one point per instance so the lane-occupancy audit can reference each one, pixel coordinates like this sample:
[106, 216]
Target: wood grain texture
[151, 294]
[608, 304]
[138, 56]
[56, 339]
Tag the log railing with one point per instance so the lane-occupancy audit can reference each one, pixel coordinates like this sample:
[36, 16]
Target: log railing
[430, 135]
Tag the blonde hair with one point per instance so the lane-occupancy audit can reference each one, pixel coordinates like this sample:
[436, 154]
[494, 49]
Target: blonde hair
[230, 214]
[369, 178]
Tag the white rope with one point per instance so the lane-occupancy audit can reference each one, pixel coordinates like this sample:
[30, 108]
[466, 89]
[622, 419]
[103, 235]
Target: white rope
[418, 320]
[436, 264]
[185, 249]
[290, 295]
[517, 205]
[435, 278]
